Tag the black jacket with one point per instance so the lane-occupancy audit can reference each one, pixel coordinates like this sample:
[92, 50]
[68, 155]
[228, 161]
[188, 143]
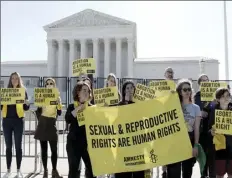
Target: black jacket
[76, 132]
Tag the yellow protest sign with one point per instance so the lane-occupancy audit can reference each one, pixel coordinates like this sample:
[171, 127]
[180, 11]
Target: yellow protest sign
[143, 93]
[223, 122]
[208, 90]
[83, 66]
[11, 96]
[80, 116]
[108, 95]
[45, 96]
[137, 136]
[162, 87]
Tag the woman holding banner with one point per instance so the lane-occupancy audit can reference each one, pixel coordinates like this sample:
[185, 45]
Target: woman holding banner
[46, 131]
[13, 116]
[76, 140]
[206, 140]
[192, 116]
[223, 143]
[128, 90]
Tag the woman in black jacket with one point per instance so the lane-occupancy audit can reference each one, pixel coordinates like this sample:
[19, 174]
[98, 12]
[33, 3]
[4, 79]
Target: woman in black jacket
[76, 140]
[46, 131]
[223, 156]
[128, 90]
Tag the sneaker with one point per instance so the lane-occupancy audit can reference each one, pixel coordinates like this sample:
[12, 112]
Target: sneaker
[55, 174]
[7, 175]
[19, 175]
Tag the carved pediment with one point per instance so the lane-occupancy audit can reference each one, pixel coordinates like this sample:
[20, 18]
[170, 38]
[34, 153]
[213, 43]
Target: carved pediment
[87, 18]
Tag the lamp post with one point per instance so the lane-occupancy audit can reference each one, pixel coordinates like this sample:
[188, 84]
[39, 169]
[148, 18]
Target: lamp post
[226, 42]
[202, 66]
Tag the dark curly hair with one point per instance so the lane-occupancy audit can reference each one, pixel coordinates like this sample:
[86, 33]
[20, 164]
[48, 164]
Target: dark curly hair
[179, 88]
[77, 88]
[124, 88]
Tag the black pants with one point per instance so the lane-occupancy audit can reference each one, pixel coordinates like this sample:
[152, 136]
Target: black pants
[209, 149]
[174, 170]
[77, 150]
[10, 126]
[138, 174]
[44, 153]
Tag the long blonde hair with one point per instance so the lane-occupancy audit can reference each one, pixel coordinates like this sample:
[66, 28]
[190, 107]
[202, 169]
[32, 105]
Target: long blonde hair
[20, 81]
[113, 76]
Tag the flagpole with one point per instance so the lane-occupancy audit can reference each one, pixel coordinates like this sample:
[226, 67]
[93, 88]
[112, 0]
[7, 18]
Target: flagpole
[226, 42]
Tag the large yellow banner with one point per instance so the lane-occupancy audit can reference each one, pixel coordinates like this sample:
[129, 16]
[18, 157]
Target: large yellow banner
[138, 136]
[9, 96]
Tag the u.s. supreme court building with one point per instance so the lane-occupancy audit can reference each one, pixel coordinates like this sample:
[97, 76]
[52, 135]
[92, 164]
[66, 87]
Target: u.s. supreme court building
[112, 41]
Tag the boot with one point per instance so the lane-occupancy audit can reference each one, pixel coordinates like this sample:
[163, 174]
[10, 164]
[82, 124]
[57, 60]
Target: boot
[55, 174]
[45, 175]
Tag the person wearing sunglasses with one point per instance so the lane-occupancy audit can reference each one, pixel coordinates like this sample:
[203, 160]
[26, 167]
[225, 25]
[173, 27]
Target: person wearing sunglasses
[169, 73]
[206, 140]
[46, 131]
[192, 116]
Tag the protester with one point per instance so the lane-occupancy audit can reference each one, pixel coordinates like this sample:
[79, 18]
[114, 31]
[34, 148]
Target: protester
[13, 116]
[206, 140]
[90, 83]
[192, 116]
[111, 81]
[76, 139]
[169, 73]
[223, 153]
[128, 90]
[46, 131]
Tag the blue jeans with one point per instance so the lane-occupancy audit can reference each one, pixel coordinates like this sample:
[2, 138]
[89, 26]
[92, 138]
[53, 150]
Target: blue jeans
[10, 126]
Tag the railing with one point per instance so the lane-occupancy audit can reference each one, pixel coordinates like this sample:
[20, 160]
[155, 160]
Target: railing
[66, 84]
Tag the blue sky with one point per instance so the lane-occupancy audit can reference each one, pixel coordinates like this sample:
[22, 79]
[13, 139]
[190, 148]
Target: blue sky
[164, 29]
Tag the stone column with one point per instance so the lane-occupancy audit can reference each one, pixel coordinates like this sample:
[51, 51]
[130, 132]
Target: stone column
[72, 47]
[60, 58]
[118, 57]
[130, 60]
[83, 48]
[106, 57]
[96, 56]
[51, 58]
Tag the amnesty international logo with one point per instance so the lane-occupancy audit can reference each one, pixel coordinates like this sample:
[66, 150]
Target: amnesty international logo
[153, 157]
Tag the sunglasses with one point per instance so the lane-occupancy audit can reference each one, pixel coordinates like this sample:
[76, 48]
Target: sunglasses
[187, 89]
[49, 83]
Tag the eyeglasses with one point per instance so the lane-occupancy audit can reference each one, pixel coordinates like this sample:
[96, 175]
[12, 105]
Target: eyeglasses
[49, 83]
[186, 89]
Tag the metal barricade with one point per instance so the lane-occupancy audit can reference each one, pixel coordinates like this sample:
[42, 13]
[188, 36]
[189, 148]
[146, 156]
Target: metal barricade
[29, 144]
